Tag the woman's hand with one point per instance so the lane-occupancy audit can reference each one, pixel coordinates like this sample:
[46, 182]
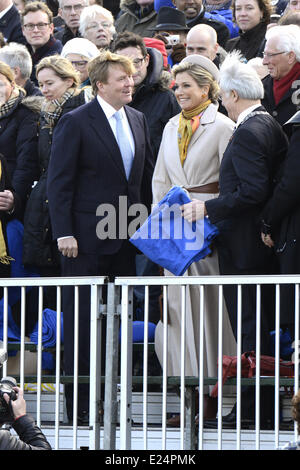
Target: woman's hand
[7, 200]
[193, 210]
[267, 240]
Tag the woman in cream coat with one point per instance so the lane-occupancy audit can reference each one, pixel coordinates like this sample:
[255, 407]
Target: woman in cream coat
[191, 150]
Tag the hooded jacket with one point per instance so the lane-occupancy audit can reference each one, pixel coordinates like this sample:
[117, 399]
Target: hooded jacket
[155, 99]
[135, 19]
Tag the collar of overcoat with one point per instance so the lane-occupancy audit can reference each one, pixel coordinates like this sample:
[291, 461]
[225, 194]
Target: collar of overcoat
[208, 117]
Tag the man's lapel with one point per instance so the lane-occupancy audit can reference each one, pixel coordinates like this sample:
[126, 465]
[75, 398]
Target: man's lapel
[103, 130]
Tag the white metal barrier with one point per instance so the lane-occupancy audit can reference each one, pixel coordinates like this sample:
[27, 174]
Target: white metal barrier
[96, 284]
[187, 425]
[119, 305]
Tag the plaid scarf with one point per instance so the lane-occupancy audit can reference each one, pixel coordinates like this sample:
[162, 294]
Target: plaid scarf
[51, 110]
[10, 103]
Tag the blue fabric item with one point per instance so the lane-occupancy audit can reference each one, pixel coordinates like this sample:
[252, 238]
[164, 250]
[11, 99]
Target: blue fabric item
[219, 15]
[49, 329]
[169, 240]
[124, 144]
[163, 3]
[138, 331]
[48, 337]
[13, 331]
[15, 232]
[285, 341]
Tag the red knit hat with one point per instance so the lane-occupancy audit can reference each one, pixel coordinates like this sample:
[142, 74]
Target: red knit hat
[157, 44]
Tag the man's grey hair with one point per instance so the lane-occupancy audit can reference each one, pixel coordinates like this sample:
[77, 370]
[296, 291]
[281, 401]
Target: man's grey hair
[288, 38]
[241, 77]
[17, 55]
[90, 13]
[61, 2]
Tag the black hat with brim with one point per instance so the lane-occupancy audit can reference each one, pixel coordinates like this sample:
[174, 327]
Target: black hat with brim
[170, 19]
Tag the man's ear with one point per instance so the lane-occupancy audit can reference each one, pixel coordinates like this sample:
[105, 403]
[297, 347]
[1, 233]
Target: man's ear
[235, 95]
[147, 58]
[99, 86]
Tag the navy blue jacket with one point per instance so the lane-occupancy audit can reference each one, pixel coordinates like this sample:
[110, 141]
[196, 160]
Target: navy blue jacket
[10, 26]
[89, 171]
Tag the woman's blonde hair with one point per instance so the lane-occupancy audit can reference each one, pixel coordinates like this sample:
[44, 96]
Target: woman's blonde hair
[61, 67]
[7, 72]
[201, 76]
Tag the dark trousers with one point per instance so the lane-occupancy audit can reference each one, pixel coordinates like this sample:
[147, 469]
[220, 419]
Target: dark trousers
[121, 263]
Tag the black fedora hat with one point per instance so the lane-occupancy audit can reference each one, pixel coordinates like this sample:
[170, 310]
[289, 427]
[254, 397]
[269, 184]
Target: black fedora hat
[170, 19]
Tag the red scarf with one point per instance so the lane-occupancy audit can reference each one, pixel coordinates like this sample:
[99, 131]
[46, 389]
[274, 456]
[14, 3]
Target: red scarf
[282, 86]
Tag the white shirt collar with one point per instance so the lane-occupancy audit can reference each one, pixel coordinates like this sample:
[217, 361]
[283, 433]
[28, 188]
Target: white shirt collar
[3, 12]
[245, 113]
[107, 108]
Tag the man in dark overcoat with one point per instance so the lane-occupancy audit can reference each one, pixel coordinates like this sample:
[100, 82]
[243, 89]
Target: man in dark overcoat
[248, 168]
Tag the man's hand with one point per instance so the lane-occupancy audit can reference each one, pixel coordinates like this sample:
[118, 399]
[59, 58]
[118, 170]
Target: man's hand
[267, 240]
[193, 210]
[68, 247]
[6, 200]
[18, 405]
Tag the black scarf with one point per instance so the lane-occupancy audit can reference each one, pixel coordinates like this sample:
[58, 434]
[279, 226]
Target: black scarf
[250, 42]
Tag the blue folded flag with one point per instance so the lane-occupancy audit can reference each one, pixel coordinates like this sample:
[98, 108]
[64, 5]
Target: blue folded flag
[49, 329]
[169, 240]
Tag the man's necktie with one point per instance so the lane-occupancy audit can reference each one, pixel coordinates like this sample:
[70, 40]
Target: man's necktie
[123, 142]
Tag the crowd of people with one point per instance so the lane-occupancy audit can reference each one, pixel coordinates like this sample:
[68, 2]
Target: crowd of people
[101, 100]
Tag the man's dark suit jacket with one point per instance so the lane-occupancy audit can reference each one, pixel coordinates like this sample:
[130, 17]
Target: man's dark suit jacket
[247, 173]
[86, 170]
[10, 26]
[287, 106]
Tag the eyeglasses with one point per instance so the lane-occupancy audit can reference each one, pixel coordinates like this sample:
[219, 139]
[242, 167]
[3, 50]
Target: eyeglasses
[39, 26]
[138, 62]
[79, 63]
[104, 24]
[266, 54]
[76, 8]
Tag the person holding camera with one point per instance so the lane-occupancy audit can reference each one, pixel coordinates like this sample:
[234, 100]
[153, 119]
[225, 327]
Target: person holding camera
[30, 435]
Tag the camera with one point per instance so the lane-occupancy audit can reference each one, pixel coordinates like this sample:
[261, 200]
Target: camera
[6, 412]
[172, 39]
[6, 386]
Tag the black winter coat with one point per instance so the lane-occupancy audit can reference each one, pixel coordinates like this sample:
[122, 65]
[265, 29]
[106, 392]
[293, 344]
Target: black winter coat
[282, 215]
[287, 106]
[250, 43]
[18, 140]
[282, 212]
[155, 99]
[39, 249]
[65, 34]
[31, 437]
